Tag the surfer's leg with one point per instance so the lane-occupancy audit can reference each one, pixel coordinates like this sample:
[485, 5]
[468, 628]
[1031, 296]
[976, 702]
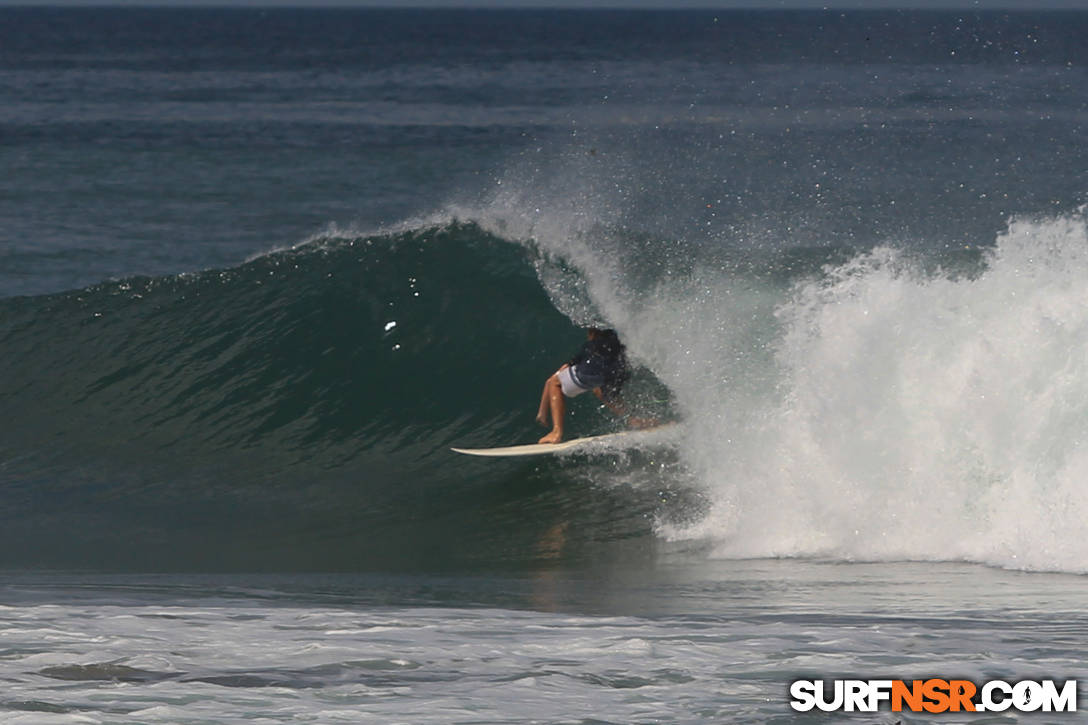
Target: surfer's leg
[558, 408]
[545, 404]
[545, 396]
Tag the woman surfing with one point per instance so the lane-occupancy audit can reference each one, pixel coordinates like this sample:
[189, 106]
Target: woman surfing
[600, 366]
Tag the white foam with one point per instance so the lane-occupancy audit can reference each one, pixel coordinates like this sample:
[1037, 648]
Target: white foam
[913, 416]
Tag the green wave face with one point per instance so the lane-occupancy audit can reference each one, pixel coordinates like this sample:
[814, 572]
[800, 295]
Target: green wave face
[291, 413]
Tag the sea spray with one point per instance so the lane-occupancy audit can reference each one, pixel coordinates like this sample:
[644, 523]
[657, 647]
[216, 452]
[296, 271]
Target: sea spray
[917, 415]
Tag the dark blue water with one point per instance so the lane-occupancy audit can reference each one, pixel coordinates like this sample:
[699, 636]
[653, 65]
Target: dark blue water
[166, 140]
[210, 217]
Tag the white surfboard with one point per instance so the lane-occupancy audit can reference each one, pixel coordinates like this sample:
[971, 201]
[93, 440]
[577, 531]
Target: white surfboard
[603, 442]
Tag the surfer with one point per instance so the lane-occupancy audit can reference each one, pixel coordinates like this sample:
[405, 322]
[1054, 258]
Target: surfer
[600, 365]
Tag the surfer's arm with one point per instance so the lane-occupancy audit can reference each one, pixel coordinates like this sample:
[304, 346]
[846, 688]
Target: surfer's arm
[616, 405]
[619, 408]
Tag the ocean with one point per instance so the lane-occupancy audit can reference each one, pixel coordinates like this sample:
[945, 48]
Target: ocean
[261, 268]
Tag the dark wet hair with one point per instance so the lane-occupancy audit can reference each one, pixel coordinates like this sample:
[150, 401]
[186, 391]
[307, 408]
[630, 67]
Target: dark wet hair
[609, 342]
[608, 338]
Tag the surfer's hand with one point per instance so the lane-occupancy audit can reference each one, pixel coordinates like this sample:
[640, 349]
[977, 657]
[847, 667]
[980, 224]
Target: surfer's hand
[640, 423]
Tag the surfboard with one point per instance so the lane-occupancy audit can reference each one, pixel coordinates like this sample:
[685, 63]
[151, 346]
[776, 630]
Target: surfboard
[603, 442]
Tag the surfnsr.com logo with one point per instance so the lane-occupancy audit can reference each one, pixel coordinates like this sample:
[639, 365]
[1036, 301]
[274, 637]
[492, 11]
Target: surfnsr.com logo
[933, 695]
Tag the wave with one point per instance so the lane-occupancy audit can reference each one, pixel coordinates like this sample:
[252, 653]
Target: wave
[295, 412]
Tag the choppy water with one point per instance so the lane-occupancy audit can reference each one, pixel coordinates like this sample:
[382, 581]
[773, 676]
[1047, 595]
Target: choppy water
[686, 644]
[260, 269]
